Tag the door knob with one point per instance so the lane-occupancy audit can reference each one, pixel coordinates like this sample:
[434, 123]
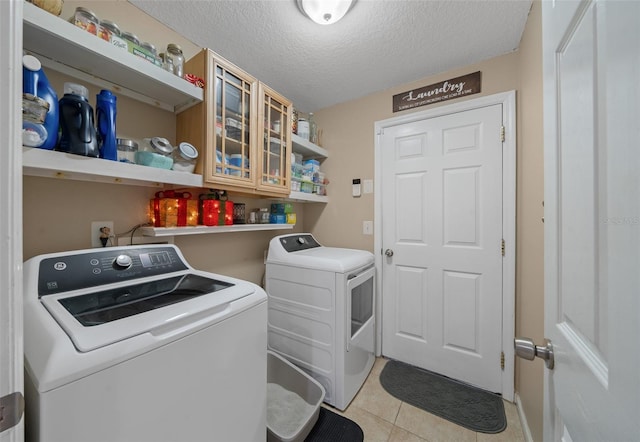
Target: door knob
[389, 253]
[526, 349]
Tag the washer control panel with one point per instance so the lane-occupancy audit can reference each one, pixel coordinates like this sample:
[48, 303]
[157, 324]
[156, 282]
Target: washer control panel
[295, 243]
[105, 266]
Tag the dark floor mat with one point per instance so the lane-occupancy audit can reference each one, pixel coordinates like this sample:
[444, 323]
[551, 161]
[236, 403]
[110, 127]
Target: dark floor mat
[468, 406]
[331, 427]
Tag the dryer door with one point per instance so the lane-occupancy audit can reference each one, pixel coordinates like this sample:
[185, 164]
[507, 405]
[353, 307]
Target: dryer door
[360, 311]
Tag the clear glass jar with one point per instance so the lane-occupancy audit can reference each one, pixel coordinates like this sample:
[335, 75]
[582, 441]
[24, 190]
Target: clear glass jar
[133, 38]
[157, 145]
[185, 157]
[107, 29]
[313, 129]
[303, 128]
[149, 47]
[263, 216]
[126, 150]
[294, 120]
[85, 19]
[174, 52]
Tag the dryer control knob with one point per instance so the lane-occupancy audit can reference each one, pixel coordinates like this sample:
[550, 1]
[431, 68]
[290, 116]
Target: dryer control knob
[301, 240]
[123, 261]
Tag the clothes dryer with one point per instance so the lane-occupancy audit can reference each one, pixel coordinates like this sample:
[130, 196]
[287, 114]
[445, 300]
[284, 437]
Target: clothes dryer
[321, 304]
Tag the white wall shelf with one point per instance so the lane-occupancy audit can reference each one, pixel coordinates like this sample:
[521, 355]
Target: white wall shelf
[66, 48]
[195, 230]
[307, 148]
[53, 164]
[307, 197]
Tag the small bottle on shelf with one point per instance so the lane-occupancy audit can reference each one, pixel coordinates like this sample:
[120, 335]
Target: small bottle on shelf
[313, 129]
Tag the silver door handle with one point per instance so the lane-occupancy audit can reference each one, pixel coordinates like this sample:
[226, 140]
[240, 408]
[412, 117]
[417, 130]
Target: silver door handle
[526, 349]
[389, 253]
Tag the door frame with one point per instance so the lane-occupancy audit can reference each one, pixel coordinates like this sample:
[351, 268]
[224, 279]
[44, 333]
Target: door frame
[508, 102]
[11, 354]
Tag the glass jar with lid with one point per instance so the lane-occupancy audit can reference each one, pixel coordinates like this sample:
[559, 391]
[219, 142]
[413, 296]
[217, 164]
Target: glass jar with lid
[185, 157]
[158, 145]
[174, 52]
[130, 36]
[167, 62]
[85, 19]
[127, 149]
[107, 29]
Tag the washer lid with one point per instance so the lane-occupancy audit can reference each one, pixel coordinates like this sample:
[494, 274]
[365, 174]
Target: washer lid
[97, 318]
[309, 254]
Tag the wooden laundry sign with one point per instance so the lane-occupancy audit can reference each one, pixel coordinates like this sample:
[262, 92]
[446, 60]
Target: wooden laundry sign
[434, 93]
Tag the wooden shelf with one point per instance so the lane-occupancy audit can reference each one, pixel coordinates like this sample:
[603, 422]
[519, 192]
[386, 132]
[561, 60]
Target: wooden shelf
[63, 47]
[53, 164]
[197, 230]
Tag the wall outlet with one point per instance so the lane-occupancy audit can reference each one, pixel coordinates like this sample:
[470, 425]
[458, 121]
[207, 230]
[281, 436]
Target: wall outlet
[97, 234]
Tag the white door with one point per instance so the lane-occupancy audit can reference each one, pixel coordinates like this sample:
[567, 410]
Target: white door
[591, 54]
[10, 218]
[442, 230]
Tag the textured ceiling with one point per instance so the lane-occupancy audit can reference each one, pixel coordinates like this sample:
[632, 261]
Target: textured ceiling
[379, 44]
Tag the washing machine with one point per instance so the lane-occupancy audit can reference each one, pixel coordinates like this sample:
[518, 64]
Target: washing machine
[133, 344]
[321, 312]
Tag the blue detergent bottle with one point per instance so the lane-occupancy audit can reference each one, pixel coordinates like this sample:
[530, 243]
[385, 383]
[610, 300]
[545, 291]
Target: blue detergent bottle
[35, 82]
[106, 124]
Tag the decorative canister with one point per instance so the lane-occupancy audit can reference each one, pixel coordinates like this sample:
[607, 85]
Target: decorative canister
[185, 157]
[238, 213]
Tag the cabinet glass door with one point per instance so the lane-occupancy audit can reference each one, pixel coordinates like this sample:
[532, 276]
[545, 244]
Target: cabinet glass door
[233, 110]
[275, 113]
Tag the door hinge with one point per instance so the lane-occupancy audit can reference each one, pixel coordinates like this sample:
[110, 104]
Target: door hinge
[502, 247]
[11, 409]
[502, 360]
[502, 135]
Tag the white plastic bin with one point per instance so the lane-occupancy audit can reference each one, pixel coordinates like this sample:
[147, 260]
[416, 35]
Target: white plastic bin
[293, 400]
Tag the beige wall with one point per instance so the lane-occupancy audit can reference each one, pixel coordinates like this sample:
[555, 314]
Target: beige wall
[530, 235]
[58, 213]
[348, 134]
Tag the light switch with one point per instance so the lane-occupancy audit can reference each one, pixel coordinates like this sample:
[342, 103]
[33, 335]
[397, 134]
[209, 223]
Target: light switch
[367, 186]
[367, 227]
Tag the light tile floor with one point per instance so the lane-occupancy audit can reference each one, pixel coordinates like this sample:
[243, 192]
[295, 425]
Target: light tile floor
[383, 418]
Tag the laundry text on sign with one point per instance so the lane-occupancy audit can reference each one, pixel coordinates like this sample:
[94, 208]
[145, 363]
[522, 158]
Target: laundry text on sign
[434, 93]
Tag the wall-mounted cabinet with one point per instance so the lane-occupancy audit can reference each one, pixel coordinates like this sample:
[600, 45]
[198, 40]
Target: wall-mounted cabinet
[234, 129]
[274, 117]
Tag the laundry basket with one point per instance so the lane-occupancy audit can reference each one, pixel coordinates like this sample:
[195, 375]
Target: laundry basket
[293, 401]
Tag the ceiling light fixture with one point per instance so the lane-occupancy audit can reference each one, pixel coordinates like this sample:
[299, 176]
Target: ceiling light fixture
[325, 12]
